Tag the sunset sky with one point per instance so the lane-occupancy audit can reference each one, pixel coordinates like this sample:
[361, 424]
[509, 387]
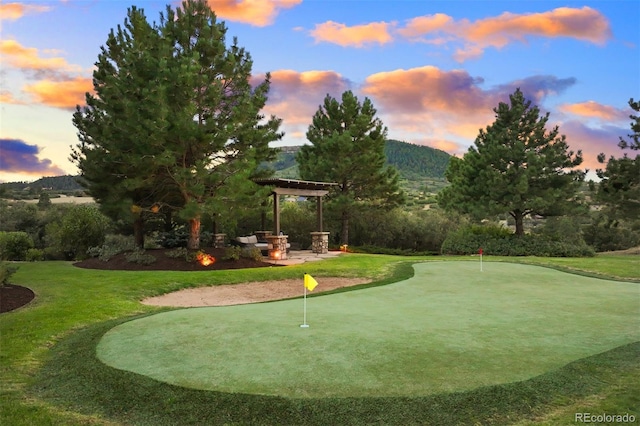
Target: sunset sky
[433, 69]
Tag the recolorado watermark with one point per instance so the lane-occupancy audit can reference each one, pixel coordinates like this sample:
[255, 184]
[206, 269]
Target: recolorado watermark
[604, 418]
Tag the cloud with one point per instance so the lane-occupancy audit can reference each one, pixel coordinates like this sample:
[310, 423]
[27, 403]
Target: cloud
[449, 106]
[7, 98]
[468, 38]
[427, 24]
[28, 58]
[19, 157]
[426, 88]
[356, 36]
[537, 88]
[593, 141]
[61, 94]
[593, 109]
[13, 11]
[295, 97]
[582, 24]
[259, 13]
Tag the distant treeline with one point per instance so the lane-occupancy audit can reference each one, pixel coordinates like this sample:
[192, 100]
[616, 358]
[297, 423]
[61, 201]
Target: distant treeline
[66, 183]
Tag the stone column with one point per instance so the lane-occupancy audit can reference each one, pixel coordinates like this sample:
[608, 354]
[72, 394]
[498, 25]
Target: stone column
[319, 242]
[219, 240]
[277, 246]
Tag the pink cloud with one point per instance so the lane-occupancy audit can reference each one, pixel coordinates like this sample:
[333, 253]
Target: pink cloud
[355, 36]
[422, 25]
[295, 96]
[582, 24]
[593, 141]
[254, 12]
[593, 109]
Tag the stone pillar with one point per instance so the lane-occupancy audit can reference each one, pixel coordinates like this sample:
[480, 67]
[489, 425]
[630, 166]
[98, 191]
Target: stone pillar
[219, 240]
[277, 246]
[262, 235]
[319, 242]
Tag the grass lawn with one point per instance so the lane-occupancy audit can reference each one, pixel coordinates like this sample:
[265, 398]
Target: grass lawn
[50, 373]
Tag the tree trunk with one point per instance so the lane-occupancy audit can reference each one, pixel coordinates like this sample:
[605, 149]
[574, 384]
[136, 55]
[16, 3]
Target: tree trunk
[518, 216]
[345, 228]
[168, 221]
[138, 232]
[194, 234]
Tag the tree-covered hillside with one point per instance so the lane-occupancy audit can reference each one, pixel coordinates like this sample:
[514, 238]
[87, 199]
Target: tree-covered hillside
[52, 183]
[416, 161]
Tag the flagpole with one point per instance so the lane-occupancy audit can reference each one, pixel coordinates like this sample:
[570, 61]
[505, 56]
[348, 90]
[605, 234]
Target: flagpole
[304, 322]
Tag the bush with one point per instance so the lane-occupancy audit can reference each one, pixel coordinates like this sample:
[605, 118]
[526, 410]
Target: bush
[82, 227]
[113, 244]
[14, 245]
[252, 253]
[499, 241]
[232, 253]
[178, 252]
[34, 255]
[6, 270]
[140, 257]
[177, 237]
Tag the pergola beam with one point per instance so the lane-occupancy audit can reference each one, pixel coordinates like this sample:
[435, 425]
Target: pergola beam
[299, 188]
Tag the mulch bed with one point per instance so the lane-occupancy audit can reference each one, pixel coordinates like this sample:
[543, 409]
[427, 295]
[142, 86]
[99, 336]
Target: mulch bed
[167, 263]
[14, 296]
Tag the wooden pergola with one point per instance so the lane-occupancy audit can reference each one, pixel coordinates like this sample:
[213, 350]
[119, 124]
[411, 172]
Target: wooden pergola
[300, 188]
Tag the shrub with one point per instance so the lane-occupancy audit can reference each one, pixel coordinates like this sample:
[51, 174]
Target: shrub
[34, 255]
[82, 227]
[501, 242]
[177, 237]
[113, 244]
[232, 253]
[178, 252]
[252, 253]
[140, 257]
[14, 245]
[6, 270]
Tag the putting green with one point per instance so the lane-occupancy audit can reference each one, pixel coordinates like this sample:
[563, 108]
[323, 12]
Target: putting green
[449, 328]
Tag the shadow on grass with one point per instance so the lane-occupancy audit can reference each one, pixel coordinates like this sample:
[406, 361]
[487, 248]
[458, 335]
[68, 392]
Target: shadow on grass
[74, 378]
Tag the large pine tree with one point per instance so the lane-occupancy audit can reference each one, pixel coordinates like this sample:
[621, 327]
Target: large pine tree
[515, 166]
[175, 123]
[619, 188]
[347, 147]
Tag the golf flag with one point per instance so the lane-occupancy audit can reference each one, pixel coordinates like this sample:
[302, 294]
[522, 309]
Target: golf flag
[309, 282]
[480, 251]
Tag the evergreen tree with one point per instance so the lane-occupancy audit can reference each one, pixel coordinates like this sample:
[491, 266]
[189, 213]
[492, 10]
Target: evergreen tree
[347, 147]
[619, 188]
[516, 167]
[175, 124]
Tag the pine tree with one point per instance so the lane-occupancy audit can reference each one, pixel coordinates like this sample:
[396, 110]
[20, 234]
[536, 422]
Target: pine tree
[347, 147]
[516, 166]
[175, 124]
[619, 188]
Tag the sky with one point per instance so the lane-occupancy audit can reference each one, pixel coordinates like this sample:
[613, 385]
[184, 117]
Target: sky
[434, 70]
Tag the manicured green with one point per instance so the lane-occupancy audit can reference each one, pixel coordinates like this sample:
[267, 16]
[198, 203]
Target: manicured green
[436, 332]
[49, 373]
